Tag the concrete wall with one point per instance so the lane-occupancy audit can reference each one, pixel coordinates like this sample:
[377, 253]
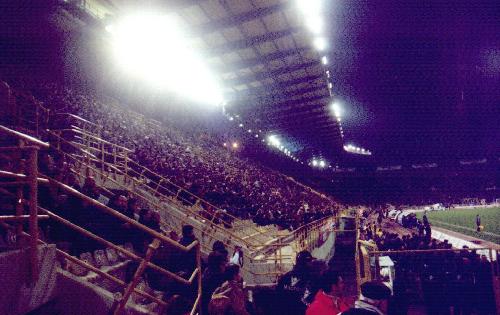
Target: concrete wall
[17, 296]
[325, 251]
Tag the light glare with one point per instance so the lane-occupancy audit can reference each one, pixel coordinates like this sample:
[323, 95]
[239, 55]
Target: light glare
[320, 43]
[152, 47]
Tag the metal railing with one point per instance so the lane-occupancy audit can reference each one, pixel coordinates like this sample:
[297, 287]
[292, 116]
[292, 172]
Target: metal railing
[19, 181]
[110, 161]
[27, 149]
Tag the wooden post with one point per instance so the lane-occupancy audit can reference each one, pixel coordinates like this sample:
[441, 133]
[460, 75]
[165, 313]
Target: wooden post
[138, 273]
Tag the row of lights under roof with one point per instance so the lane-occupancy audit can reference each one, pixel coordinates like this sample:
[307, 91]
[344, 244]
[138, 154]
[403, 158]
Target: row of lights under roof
[274, 141]
[356, 150]
[319, 163]
[311, 11]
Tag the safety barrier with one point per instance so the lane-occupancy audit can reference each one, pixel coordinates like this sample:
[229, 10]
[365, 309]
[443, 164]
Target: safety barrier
[112, 163]
[18, 181]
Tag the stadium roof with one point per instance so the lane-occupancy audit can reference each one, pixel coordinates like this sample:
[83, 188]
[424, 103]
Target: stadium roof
[417, 80]
[271, 73]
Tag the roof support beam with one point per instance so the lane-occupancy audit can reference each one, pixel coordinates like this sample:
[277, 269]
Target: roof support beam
[250, 41]
[238, 19]
[248, 63]
[244, 79]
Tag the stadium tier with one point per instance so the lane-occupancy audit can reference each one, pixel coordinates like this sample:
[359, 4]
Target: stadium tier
[249, 157]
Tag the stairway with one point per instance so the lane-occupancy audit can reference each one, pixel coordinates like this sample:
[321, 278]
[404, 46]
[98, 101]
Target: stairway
[344, 258]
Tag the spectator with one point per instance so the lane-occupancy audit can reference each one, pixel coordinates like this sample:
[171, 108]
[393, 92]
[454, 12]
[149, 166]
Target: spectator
[212, 278]
[373, 299]
[188, 261]
[231, 290]
[329, 299]
[294, 288]
[237, 257]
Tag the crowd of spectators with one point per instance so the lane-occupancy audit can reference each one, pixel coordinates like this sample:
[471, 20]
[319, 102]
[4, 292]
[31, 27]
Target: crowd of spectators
[195, 161]
[448, 280]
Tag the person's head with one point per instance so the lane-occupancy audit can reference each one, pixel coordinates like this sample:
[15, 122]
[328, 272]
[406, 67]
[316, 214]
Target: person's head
[187, 230]
[377, 293]
[332, 283]
[121, 202]
[216, 262]
[304, 258]
[218, 246]
[233, 272]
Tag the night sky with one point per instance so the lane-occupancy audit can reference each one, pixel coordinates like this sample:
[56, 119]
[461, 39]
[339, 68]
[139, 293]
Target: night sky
[419, 80]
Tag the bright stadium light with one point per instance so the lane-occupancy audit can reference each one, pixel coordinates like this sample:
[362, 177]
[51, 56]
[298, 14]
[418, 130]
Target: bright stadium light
[322, 163]
[235, 145]
[273, 140]
[336, 109]
[315, 25]
[153, 47]
[324, 60]
[314, 163]
[241, 125]
[310, 8]
[320, 43]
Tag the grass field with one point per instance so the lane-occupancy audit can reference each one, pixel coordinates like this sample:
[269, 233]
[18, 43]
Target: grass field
[464, 221]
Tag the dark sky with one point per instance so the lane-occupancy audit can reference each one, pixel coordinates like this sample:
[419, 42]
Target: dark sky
[419, 80]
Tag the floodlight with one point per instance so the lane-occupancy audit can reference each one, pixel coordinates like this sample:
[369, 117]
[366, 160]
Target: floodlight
[337, 111]
[314, 163]
[249, 130]
[315, 25]
[324, 60]
[241, 125]
[231, 118]
[320, 43]
[152, 47]
[235, 145]
[322, 163]
[309, 8]
[273, 140]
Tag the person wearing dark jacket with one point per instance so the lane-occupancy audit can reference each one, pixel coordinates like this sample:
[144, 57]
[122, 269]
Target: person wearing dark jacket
[212, 278]
[294, 287]
[188, 259]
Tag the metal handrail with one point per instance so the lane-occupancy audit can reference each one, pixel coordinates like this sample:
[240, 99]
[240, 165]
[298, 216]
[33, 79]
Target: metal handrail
[193, 213]
[162, 178]
[24, 137]
[261, 247]
[30, 180]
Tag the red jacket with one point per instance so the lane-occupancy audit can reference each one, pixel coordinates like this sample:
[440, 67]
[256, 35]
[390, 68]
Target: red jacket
[324, 305]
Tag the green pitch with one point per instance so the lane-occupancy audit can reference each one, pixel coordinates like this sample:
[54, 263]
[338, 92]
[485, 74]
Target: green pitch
[464, 221]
